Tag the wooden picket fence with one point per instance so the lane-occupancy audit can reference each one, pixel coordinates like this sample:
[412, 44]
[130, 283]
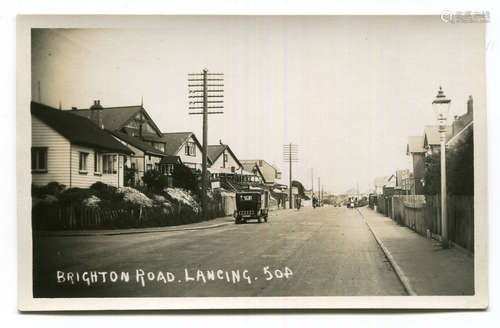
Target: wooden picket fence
[78, 217]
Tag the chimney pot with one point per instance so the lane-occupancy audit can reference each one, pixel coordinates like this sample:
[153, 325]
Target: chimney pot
[470, 105]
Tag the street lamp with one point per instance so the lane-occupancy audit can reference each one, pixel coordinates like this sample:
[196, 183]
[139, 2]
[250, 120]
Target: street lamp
[441, 106]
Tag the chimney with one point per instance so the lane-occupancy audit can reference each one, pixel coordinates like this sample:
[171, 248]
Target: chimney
[95, 113]
[220, 142]
[470, 105]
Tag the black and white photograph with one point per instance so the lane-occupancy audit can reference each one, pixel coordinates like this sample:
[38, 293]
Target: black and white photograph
[199, 162]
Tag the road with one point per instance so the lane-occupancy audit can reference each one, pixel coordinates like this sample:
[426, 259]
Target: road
[312, 252]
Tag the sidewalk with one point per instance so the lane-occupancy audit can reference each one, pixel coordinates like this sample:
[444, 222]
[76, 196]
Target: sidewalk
[422, 263]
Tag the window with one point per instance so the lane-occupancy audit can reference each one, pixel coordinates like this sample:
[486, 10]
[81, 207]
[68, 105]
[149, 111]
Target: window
[156, 166]
[224, 159]
[39, 159]
[97, 162]
[109, 164]
[190, 149]
[83, 162]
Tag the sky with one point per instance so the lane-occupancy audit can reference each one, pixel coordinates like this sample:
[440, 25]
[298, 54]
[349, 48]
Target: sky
[348, 90]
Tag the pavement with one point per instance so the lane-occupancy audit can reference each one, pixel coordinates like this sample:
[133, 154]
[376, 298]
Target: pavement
[424, 267]
[326, 251]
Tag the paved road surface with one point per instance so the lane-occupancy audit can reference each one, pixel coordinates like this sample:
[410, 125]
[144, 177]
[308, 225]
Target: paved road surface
[317, 252]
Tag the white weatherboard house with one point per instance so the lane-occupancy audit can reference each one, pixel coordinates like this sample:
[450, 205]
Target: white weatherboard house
[183, 145]
[223, 160]
[72, 150]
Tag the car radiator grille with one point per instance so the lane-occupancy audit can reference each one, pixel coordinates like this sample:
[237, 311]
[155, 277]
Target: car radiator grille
[246, 212]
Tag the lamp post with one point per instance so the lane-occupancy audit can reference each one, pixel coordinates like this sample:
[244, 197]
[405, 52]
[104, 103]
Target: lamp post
[441, 106]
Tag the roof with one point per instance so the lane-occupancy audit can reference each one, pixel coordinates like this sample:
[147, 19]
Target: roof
[114, 118]
[175, 140]
[78, 130]
[171, 160]
[432, 135]
[415, 145]
[138, 143]
[251, 167]
[214, 152]
[255, 161]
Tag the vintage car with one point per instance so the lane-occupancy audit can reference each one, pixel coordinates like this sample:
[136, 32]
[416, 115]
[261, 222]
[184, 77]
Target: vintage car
[252, 204]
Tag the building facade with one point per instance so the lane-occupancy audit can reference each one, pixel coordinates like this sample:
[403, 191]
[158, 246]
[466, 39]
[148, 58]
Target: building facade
[73, 151]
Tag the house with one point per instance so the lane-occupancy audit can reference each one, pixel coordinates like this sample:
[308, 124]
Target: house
[145, 157]
[403, 181]
[72, 150]
[253, 168]
[416, 151]
[133, 127]
[184, 145]
[432, 138]
[378, 183]
[461, 122]
[223, 159]
[462, 125]
[270, 173]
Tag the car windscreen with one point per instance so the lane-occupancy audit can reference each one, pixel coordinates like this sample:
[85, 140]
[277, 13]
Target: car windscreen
[248, 197]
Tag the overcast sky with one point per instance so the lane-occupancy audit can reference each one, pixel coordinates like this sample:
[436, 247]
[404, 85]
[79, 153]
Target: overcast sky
[348, 90]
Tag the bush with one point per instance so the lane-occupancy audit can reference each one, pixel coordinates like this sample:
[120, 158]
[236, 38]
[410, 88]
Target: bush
[185, 178]
[74, 195]
[52, 188]
[134, 197]
[155, 180]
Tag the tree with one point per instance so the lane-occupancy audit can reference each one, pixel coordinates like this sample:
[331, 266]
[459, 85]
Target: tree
[432, 176]
[460, 171]
[155, 180]
[184, 178]
[459, 168]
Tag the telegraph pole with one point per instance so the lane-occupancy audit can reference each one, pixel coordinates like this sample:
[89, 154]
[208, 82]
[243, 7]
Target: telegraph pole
[290, 154]
[319, 189]
[312, 183]
[200, 94]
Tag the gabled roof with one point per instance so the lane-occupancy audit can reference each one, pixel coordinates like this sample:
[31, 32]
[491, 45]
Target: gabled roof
[138, 143]
[415, 145]
[78, 130]
[432, 135]
[174, 141]
[252, 167]
[255, 161]
[214, 152]
[114, 118]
